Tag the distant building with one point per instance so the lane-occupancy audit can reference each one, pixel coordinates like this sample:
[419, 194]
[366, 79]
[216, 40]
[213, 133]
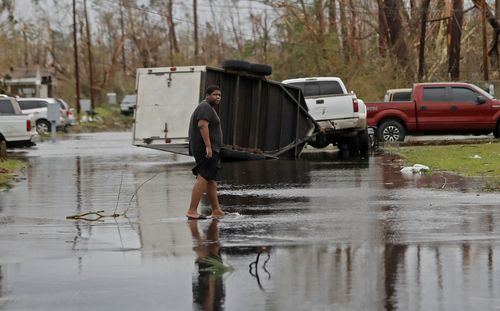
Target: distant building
[30, 82]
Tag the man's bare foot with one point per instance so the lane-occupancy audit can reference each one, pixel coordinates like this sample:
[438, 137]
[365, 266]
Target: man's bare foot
[195, 216]
[217, 214]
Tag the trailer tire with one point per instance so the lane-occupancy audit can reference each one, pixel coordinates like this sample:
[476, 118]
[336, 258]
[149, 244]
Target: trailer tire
[321, 141]
[364, 142]
[390, 131]
[236, 65]
[261, 69]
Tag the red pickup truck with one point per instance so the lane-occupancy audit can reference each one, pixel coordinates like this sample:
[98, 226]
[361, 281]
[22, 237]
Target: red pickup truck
[437, 108]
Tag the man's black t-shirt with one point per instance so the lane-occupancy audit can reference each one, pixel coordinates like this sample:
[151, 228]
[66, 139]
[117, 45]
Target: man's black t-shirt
[204, 112]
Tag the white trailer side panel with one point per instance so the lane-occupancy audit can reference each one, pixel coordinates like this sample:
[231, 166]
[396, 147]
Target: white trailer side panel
[165, 98]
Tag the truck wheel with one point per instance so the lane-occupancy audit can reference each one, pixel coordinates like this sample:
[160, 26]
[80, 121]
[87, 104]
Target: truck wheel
[391, 130]
[353, 145]
[237, 65]
[42, 127]
[321, 141]
[364, 142]
[497, 132]
[261, 69]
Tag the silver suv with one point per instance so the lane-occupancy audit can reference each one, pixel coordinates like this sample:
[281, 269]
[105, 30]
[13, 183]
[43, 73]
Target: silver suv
[37, 108]
[127, 105]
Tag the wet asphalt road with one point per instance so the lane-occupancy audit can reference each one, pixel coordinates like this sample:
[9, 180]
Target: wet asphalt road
[332, 234]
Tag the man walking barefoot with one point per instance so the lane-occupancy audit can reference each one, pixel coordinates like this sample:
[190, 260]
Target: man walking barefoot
[205, 142]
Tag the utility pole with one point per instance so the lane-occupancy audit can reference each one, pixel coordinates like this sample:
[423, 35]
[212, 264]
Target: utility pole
[485, 49]
[89, 50]
[122, 27]
[77, 70]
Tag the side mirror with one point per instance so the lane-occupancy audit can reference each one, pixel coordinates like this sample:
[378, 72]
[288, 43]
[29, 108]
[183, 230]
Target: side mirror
[481, 100]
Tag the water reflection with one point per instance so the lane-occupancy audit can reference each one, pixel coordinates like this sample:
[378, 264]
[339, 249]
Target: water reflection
[208, 282]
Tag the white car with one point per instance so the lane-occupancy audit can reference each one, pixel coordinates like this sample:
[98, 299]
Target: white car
[127, 105]
[37, 108]
[67, 111]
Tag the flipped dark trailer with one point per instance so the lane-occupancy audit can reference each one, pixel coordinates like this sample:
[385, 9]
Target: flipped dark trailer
[260, 118]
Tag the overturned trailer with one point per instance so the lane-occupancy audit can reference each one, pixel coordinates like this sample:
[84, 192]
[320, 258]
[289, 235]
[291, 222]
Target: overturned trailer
[259, 118]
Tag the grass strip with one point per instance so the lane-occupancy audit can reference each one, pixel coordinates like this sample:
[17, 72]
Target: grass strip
[8, 170]
[474, 160]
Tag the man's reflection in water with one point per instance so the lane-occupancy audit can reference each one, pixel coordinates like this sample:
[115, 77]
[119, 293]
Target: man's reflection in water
[208, 286]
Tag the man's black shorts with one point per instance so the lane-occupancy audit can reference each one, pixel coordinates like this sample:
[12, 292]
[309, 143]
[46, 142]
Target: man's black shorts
[207, 168]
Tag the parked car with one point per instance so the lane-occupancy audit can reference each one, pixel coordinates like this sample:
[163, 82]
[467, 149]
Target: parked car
[128, 103]
[67, 111]
[15, 127]
[437, 108]
[37, 107]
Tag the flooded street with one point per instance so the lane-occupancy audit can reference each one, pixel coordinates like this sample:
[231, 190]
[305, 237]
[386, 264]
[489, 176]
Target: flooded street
[321, 233]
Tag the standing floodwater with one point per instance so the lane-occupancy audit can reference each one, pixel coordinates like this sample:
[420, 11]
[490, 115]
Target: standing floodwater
[328, 233]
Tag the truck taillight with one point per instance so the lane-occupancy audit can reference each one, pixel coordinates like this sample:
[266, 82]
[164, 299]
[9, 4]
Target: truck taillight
[355, 106]
[28, 125]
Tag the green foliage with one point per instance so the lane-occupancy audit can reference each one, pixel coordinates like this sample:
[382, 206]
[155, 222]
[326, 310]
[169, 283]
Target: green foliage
[215, 266]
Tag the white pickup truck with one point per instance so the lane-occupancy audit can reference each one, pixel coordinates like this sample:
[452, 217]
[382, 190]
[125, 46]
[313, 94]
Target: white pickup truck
[15, 127]
[339, 113]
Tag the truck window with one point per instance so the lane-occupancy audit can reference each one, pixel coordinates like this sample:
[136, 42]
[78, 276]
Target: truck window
[311, 89]
[6, 107]
[463, 94]
[330, 88]
[25, 104]
[434, 94]
[401, 97]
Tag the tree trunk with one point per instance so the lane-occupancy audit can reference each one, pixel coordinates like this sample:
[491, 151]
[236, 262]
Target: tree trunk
[455, 37]
[343, 29]
[492, 20]
[332, 16]
[396, 34]
[354, 32]
[174, 47]
[383, 34]
[423, 30]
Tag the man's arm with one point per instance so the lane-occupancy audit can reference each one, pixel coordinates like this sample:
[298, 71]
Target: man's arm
[203, 126]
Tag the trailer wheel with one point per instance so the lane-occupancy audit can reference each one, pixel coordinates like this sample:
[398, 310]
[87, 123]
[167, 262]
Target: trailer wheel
[364, 142]
[235, 64]
[391, 130]
[261, 69]
[321, 141]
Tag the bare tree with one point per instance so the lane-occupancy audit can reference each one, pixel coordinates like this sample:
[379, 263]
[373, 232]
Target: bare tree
[423, 31]
[343, 30]
[396, 33]
[455, 40]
